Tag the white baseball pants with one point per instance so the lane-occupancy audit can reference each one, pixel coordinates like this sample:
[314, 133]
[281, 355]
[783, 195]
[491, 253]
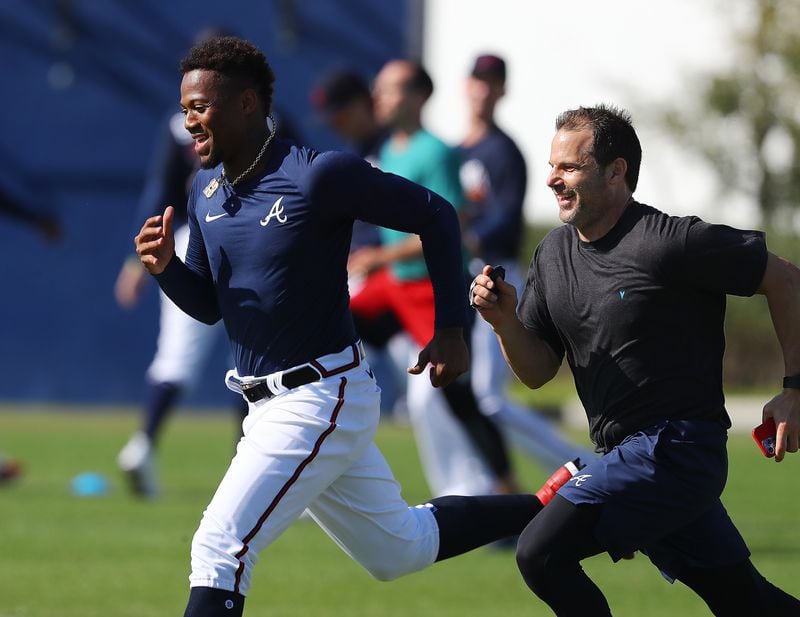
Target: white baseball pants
[312, 448]
[450, 462]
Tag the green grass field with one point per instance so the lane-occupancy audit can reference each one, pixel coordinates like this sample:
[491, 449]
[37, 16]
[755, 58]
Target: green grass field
[114, 556]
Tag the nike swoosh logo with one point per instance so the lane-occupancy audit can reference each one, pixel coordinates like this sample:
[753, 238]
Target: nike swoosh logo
[210, 218]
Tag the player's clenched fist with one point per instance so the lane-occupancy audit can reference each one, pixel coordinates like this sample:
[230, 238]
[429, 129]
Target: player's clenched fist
[155, 244]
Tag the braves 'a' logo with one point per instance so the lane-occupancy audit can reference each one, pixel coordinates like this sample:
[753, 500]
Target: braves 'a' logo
[276, 212]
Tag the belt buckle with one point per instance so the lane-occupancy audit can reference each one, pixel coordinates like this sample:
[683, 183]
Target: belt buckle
[246, 387]
[256, 390]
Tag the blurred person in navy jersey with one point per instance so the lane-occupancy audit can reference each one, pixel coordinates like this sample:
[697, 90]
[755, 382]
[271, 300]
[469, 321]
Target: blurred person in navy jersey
[494, 178]
[344, 99]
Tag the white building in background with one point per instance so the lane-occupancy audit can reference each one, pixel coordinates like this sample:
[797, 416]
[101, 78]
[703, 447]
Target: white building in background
[631, 53]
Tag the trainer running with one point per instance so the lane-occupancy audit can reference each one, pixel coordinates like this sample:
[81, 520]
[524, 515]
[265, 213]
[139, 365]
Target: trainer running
[635, 300]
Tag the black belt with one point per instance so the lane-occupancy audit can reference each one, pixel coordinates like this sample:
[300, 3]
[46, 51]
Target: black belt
[259, 390]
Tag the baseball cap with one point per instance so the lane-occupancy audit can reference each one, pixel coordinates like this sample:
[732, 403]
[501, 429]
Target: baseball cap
[337, 89]
[489, 66]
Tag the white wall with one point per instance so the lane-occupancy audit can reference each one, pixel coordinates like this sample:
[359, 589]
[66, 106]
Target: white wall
[564, 54]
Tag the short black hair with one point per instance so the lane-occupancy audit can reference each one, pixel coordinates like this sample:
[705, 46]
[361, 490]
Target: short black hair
[420, 81]
[614, 136]
[235, 59]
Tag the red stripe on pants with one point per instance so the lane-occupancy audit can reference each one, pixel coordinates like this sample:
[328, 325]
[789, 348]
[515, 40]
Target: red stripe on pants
[285, 488]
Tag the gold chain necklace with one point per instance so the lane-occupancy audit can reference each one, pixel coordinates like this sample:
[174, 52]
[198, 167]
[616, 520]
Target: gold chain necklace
[232, 183]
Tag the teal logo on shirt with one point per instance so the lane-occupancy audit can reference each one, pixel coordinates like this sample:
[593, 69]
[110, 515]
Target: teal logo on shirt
[622, 293]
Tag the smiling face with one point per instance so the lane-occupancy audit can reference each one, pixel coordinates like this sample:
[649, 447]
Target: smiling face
[210, 117]
[578, 182]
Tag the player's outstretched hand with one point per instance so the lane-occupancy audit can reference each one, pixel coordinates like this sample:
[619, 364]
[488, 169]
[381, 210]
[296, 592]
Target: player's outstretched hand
[496, 301]
[155, 244]
[785, 410]
[448, 355]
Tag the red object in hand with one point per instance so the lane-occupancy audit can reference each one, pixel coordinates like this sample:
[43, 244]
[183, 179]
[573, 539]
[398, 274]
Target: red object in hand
[764, 434]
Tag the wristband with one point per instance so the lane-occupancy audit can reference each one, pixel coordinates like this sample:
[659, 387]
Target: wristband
[793, 381]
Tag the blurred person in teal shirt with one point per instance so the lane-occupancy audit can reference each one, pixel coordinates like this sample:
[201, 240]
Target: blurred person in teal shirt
[462, 451]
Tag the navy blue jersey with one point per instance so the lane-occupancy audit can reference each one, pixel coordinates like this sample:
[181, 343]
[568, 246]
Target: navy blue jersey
[494, 178]
[640, 315]
[270, 257]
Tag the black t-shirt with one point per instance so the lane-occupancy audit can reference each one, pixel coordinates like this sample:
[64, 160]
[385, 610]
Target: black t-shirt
[640, 315]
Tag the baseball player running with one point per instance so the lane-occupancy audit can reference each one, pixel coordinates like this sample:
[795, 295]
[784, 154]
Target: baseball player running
[270, 226]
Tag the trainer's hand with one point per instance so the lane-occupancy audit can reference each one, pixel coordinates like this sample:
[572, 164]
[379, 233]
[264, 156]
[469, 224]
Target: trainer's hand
[448, 354]
[155, 244]
[785, 410]
[496, 301]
